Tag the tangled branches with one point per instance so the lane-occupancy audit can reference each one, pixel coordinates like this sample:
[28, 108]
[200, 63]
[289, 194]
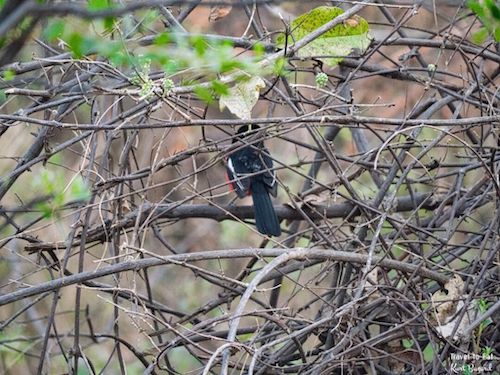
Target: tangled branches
[124, 250]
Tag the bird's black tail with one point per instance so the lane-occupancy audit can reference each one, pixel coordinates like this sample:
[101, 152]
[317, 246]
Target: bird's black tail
[265, 216]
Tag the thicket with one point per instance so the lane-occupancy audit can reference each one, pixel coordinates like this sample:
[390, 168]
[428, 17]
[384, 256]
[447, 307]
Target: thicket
[123, 250]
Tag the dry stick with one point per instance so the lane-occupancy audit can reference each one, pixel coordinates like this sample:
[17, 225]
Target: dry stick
[119, 208]
[25, 67]
[219, 213]
[363, 231]
[50, 325]
[326, 120]
[467, 332]
[345, 273]
[296, 334]
[294, 227]
[81, 258]
[225, 298]
[50, 322]
[64, 9]
[430, 112]
[422, 61]
[333, 163]
[313, 171]
[115, 243]
[345, 92]
[71, 236]
[377, 201]
[493, 230]
[400, 180]
[30, 155]
[234, 322]
[262, 64]
[340, 256]
[333, 352]
[186, 11]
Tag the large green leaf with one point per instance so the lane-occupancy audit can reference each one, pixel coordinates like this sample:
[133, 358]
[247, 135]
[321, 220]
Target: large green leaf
[338, 42]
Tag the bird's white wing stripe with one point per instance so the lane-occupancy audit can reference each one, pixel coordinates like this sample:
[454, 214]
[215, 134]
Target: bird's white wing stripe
[231, 168]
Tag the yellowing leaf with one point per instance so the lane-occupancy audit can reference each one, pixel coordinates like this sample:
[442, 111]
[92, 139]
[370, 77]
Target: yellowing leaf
[446, 306]
[219, 11]
[445, 303]
[242, 97]
[338, 42]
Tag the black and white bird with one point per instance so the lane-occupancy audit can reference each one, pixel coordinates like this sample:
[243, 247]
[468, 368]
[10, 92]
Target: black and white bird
[250, 171]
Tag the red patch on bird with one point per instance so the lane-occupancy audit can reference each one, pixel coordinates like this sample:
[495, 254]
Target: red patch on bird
[231, 186]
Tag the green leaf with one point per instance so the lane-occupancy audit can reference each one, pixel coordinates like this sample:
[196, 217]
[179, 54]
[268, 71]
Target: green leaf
[150, 17]
[79, 190]
[9, 75]
[242, 97]
[489, 14]
[204, 94]
[228, 65]
[338, 42]
[171, 66]
[75, 43]
[53, 183]
[98, 4]
[407, 343]
[109, 23]
[219, 87]
[428, 353]
[54, 30]
[200, 45]
[494, 10]
[480, 36]
[486, 351]
[259, 49]
[482, 305]
[476, 8]
[162, 39]
[279, 67]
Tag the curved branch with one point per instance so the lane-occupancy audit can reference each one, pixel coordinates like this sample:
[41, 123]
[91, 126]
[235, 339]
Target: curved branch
[135, 265]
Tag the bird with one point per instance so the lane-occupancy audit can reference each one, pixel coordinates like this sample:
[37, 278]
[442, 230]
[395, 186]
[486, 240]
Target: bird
[250, 172]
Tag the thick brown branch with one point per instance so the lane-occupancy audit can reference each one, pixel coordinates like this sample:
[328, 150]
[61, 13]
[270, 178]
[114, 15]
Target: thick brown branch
[174, 211]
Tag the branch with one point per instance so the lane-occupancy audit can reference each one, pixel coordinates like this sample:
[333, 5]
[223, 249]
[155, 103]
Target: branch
[136, 265]
[175, 211]
[323, 120]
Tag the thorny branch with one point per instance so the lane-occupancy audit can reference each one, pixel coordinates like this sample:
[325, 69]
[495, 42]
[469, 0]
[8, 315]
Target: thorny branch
[388, 198]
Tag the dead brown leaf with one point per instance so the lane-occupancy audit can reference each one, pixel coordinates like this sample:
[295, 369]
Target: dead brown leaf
[219, 11]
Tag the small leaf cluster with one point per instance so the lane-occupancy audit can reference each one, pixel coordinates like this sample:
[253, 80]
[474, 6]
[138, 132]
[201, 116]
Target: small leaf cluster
[321, 79]
[143, 80]
[196, 59]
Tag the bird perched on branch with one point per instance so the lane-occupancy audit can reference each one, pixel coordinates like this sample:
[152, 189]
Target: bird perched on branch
[249, 170]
